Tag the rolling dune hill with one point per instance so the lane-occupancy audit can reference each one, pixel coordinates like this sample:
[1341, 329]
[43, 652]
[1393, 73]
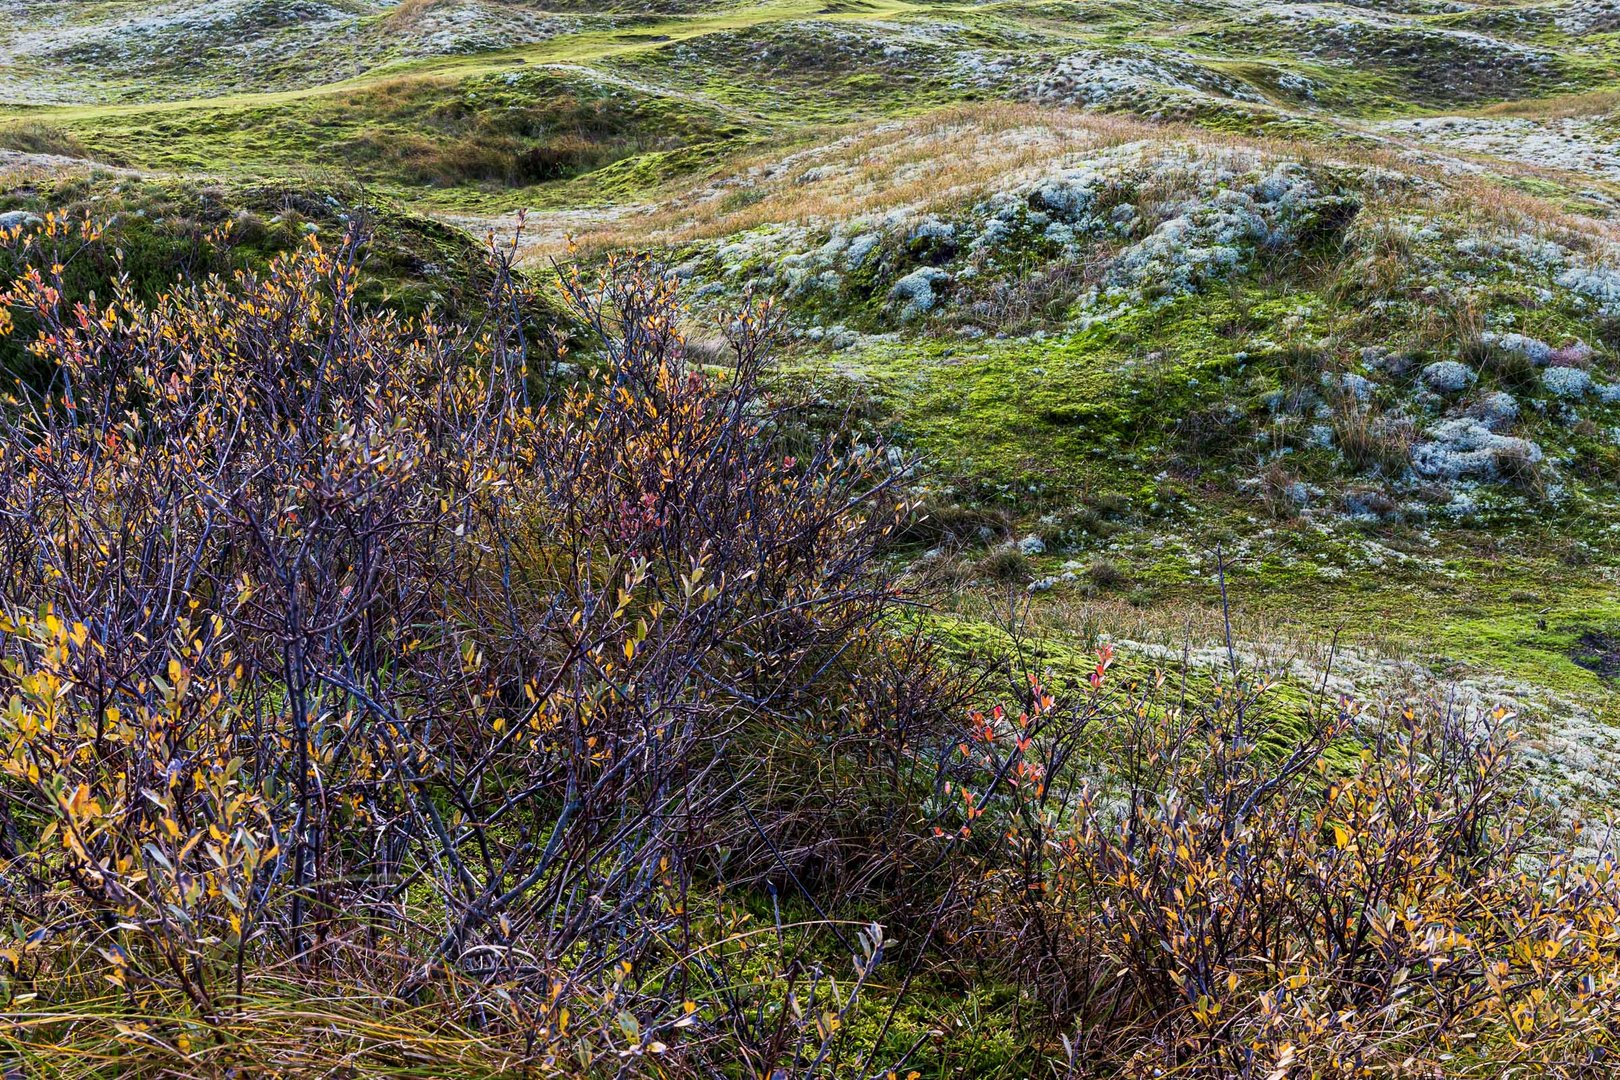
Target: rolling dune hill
[1216, 332]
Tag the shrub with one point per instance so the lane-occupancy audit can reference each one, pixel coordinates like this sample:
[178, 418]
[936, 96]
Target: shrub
[939, 521]
[374, 701]
[1104, 575]
[1006, 564]
[1280, 490]
[1511, 369]
[1252, 891]
[343, 648]
[1370, 439]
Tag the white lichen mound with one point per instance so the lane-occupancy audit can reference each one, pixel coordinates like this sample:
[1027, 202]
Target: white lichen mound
[1464, 448]
[1161, 83]
[1537, 350]
[915, 291]
[1448, 376]
[1495, 410]
[1576, 144]
[1567, 382]
[1214, 236]
[1167, 221]
[1599, 284]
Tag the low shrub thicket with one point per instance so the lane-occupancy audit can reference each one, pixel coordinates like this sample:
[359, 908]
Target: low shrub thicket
[338, 645]
[375, 704]
[1257, 891]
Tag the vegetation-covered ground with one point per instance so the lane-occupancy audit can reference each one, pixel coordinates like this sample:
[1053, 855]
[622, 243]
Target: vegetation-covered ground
[1273, 336]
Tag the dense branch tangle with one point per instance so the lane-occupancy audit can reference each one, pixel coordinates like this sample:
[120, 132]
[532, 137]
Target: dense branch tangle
[350, 657]
[328, 628]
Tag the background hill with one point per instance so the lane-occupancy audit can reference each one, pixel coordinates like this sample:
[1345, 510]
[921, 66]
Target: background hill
[1332, 287]
[1215, 331]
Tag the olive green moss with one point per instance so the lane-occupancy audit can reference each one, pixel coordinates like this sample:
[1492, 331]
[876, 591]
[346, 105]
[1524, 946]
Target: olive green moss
[159, 231]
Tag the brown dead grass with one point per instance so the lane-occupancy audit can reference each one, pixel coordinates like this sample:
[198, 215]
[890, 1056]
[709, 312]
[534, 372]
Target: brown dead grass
[410, 11]
[1559, 106]
[919, 164]
[949, 157]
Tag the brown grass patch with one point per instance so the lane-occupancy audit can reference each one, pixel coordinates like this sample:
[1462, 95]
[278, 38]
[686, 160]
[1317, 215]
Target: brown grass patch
[948, 157]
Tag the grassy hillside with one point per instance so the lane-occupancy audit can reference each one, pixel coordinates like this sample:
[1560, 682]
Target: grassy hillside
[1270, 351]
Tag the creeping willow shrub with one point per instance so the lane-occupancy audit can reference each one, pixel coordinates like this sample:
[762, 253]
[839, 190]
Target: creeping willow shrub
[344, 647]
[1245, 892]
